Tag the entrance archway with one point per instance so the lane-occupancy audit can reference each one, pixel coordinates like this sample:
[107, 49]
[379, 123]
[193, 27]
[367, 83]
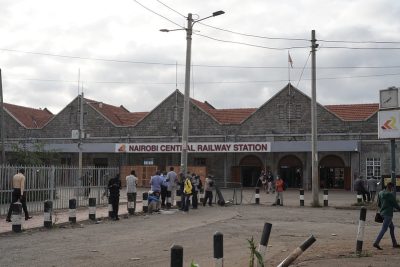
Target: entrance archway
[291, 170]
[332, 172]
[250, 170]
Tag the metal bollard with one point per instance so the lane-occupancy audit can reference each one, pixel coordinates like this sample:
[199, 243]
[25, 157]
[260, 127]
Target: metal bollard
[169, 193]
[262, 248]
[48, 209]
[110, 208]
[72, 211]
[218, 249]
[297, 252]
[302, 197]
[257, 195]
[16, 209]
[176, 256]
[359, 198]
[92, 208]
[145, 202]
[131, 203]
[361, 228]
[325, 197]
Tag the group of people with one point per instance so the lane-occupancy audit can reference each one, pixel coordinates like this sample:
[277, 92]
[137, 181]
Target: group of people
[366, 188]
[271, 185]
[189, 186]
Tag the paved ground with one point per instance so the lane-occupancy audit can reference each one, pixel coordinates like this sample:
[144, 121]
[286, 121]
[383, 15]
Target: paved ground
[145, 240]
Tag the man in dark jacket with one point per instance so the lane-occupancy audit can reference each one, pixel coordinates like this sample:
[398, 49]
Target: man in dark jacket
[386, 203]
[114, 186]
[359, 186]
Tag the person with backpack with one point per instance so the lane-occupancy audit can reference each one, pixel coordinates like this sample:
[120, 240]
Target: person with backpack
[187, 192]
[279, 188]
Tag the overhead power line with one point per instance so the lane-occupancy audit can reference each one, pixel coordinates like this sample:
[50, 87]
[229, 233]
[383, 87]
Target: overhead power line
[255, 36]
[252, 45]
[158, 14]
[170, 8]
[361, 48]
[199, 82]
[359, 42]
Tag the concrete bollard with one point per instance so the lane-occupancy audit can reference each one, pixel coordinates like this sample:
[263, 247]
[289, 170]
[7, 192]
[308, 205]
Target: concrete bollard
[361, 228]
[201, 196]
[169, 204]
[218, 249]
[110, 208]
[325, 197]
[262, 248]
[301, 197]
[92, 208]
[131, 203]
[176, 256]
[72, 211]
[16, 212]
[359, 198]
[297, 252]
[257, 195]
[48, 209]
[145, 202]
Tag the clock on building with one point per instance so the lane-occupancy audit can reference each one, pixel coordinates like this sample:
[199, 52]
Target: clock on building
[389, 98]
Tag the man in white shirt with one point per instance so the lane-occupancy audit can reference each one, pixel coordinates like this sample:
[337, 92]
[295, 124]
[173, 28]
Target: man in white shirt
[172, 180]
[131, 182]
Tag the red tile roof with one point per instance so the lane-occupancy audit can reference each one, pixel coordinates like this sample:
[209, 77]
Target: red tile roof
[225, 116]
[120, 116]
[29, 117]
[354, 112]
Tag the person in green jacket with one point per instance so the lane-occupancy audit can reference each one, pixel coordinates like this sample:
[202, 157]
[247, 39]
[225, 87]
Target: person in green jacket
[386, 203]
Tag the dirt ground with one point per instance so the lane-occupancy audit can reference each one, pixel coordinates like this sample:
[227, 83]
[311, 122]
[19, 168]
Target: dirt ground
[146, 240]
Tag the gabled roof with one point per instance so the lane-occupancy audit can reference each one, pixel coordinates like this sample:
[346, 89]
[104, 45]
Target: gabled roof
[354, 112]
[119, 116]
[30, 118]
[225, 116]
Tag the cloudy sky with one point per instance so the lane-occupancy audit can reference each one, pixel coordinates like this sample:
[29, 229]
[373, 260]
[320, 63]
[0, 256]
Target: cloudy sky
[124, 59]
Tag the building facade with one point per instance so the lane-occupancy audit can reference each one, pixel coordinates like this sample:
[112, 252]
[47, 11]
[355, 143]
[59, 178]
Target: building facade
[233, 145]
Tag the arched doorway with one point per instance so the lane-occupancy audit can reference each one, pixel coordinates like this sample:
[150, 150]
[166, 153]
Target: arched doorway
[291, 170]
[332, 172]
[250, 170]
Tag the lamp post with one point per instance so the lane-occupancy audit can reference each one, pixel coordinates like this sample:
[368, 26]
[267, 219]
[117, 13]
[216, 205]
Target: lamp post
[185, 122]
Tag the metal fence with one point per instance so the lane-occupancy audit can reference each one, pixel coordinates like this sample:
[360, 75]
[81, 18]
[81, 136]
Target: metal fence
[56, 183]
[231, 191]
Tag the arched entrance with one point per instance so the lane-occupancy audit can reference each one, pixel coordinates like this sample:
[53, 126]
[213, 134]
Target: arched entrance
[332, 172]
[250, 170]
[291, 170]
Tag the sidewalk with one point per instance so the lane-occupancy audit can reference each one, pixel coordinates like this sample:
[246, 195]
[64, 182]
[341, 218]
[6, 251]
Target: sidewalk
[291, 198]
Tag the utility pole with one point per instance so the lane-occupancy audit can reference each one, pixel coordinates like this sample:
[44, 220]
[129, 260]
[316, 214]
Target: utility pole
[3, 149]
[186, 102]
[314, 148]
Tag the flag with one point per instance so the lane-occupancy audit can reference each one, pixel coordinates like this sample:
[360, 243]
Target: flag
[290, 60]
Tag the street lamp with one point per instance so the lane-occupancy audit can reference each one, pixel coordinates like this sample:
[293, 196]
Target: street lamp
[185, 123]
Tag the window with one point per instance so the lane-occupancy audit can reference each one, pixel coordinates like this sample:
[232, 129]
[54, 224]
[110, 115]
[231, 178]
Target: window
[148, 161]
[373, 167]
[199, 161]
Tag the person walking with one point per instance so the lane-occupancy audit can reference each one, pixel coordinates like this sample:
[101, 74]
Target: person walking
[164, 189]
[279, 188]
[18, 194]
[172, 179]
[131, 183]
[386, 203]
[270, 180]
[114, 186]
[187, 191]
[371, 186]
[196, 182]
[208, 189]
